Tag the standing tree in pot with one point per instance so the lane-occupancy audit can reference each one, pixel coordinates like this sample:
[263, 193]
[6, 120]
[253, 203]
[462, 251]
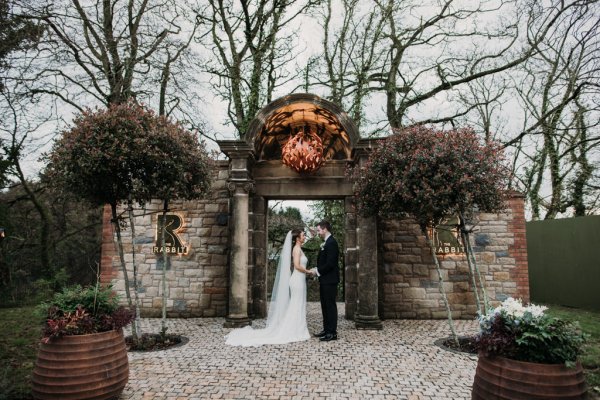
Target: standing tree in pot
[83, 353]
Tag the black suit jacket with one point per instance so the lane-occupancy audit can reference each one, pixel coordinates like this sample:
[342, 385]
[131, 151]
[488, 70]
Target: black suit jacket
[327, 262]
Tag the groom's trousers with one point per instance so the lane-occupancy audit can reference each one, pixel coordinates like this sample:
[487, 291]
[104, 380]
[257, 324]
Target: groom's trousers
[328, 293]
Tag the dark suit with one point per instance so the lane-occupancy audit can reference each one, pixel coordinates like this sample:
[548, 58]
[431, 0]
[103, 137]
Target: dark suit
[329, 277]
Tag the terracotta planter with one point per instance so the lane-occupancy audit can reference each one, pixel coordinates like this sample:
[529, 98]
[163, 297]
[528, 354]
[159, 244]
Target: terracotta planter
[91, 366]
[502, 378]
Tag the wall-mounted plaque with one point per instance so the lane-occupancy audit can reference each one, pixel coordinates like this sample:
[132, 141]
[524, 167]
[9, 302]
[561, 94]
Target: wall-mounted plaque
[173, 243]
[446, 237]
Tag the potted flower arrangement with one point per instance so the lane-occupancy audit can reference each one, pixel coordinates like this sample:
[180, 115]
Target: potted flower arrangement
[83, 353]
[526, 354]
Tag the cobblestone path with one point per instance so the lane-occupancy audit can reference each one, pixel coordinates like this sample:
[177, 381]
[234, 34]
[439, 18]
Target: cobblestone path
[399, 362]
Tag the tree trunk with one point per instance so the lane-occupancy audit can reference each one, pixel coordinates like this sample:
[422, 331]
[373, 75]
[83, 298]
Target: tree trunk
[474, 269]
[115, 221]
[165, 259]
[465, 239]
[441, 288]
[135, 273]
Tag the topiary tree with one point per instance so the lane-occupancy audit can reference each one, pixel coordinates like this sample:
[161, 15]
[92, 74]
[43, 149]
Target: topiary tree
[179, 171]
[127, 154]
[431, 174]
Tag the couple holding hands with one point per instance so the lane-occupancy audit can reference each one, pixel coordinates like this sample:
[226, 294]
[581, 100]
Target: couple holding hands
[286, 320]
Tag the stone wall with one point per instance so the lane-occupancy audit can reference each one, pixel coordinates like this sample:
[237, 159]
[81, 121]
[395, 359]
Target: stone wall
[409, 285]
[197, 283]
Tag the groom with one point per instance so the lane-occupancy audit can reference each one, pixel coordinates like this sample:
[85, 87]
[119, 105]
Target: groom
[329, 276]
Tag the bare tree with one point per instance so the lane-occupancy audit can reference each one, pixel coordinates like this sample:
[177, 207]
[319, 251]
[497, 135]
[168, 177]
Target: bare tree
[251, 52]
[16, 128]
[16, 33]
[486, 99]
[350, 53]
[463, 50]
[419, 55]
[103, 52]
[557, 83]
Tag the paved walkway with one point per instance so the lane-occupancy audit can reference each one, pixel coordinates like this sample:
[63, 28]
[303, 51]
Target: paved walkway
[399, 362]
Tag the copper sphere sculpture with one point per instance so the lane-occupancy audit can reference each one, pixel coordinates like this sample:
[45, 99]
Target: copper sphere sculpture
[303, 152]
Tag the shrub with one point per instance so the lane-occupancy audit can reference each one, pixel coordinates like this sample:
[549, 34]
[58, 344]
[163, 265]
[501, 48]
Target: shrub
[80, 310]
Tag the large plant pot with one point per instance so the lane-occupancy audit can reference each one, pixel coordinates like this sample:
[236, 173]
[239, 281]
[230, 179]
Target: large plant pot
[502, 378]
[91, 366]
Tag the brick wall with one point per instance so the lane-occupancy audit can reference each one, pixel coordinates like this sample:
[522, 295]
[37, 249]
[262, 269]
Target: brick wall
[409, 281]
[197, 283]
[518, 250]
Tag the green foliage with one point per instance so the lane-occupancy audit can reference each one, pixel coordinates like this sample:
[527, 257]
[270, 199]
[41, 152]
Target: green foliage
[127, 152]
[281, 221]
[19, 338]
[590, 324]
[16, 32]
[431, 174]
[45, 288]
[80, 310]
[75, 240]
[549, 340]
[96, 300]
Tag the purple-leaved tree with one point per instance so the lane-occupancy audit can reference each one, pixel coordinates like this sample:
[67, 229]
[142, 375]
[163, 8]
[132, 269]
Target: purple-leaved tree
[126, 154]
[432, 174]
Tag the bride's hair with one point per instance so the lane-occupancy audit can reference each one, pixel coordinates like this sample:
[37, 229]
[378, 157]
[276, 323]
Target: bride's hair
[295, 235]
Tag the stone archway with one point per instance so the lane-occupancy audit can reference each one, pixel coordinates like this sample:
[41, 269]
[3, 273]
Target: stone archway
[256, 174]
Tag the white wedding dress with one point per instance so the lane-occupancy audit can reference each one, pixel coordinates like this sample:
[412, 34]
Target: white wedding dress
[286, 321]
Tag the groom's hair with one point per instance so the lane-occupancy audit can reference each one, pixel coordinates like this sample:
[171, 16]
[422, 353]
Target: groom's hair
[325, 225]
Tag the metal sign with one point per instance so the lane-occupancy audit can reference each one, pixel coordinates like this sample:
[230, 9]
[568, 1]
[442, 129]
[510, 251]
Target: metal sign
[446, 237]
[173, 243]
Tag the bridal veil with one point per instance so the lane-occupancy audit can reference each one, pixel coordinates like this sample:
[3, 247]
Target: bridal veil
[280, 299]
[280, 296]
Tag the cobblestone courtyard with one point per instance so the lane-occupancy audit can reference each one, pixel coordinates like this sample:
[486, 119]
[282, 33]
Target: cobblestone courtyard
[399, 362]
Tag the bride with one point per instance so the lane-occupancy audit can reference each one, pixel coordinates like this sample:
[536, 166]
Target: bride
[286, 321]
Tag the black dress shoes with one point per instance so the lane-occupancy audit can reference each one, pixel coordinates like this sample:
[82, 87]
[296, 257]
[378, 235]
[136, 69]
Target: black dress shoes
[320, 334]
[328, 337]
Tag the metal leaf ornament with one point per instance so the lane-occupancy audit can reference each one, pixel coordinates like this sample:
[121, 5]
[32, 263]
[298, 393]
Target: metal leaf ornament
[303, 152]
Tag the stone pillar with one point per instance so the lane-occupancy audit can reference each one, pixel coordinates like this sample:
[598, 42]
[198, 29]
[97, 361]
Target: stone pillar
[240, 185]
[259, 260]
[238, 271]
[350, 258]
[367, 307]
[367, 314]
[518, 250]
